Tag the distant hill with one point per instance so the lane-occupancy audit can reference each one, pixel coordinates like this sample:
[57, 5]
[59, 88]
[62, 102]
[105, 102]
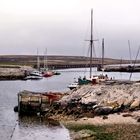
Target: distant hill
[53, 60]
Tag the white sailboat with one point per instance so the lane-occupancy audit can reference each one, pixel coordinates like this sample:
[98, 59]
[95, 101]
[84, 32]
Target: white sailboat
[95, 78]
[36, 74]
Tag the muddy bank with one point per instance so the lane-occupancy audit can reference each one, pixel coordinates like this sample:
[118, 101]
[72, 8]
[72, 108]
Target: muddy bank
[10, 72]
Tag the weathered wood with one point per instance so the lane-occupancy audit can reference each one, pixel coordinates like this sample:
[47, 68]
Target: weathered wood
[33, 102]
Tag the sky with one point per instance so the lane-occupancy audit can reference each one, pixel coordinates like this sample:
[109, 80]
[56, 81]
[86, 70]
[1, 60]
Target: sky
[62, 26]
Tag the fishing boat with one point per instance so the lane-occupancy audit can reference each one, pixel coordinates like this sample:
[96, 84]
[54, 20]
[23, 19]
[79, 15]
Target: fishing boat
[35, 73]
[73, 85]
[32, 77]
[45, 71]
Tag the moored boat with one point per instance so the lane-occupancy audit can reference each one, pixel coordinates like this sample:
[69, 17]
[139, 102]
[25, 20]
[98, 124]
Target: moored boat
[32, 77]
[73, 85]
[35, 73]
[56, 73]
[47, 73]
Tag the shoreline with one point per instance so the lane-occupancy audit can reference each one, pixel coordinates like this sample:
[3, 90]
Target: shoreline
[12, 72]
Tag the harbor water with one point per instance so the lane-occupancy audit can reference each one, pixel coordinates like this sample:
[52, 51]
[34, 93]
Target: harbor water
[34, 128]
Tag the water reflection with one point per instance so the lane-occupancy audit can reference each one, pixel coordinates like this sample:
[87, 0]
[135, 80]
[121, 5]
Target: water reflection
[36, 128]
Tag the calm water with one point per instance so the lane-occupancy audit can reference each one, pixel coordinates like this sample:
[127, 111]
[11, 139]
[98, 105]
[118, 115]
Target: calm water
[14, 128]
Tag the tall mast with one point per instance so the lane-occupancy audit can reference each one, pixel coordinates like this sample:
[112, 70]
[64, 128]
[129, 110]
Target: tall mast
[130, 52]
[45, 59]
[91, 43]
[103, 53]
[38, 63]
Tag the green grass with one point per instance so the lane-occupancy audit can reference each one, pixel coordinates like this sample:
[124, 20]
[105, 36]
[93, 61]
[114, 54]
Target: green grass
[99, 131]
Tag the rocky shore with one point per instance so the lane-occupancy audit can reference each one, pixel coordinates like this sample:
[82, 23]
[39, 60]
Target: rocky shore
[109, 110]
[100, 99]
[12, 72]
[96, 111]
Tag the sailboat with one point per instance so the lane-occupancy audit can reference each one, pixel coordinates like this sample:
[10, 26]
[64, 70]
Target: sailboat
[45, 71]
[85, 80]
[35, 74]
[92, 79]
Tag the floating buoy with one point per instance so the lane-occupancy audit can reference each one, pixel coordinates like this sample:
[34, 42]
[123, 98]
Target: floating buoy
[16, 108]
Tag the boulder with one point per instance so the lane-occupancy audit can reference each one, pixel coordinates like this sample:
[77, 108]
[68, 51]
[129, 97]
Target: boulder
[89, 100]
[128, 101]
[103, 110]
[135, 104]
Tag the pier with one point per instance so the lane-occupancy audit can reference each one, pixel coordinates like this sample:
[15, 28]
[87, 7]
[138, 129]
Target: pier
[125, 68]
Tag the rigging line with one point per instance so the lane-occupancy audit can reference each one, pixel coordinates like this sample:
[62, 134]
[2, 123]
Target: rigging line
[130, 52]
[121, 66]
[94, 52]
[87, 59]
[134, 63]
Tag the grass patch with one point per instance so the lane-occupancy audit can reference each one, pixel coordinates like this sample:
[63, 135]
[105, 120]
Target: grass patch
[106, 136]
[99, 131]
[81, 127]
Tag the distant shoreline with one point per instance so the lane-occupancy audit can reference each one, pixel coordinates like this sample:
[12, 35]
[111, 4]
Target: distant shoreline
[56, 61]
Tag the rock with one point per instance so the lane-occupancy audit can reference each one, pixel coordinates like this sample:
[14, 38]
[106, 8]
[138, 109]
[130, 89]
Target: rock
[138, 120]
[89, 100]
[121, 101]
[98, 93]
[105, 117]
[128, 102]
[103, 110]
[113, 104]
[83, 134]
[127, 115]
[135, 104]
[96, 106]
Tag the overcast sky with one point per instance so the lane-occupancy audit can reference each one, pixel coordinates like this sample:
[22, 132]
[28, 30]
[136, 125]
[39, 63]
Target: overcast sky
[62, 26]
